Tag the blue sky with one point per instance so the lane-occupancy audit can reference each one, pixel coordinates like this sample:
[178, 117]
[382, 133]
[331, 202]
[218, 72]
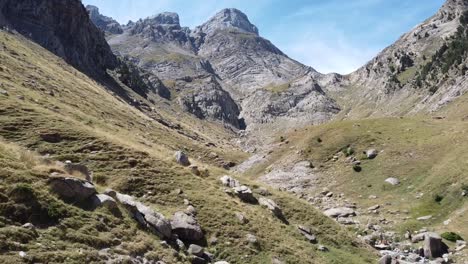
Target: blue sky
[329, 35]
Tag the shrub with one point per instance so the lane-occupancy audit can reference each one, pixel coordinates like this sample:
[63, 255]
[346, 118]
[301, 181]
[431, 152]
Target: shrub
[451, 236]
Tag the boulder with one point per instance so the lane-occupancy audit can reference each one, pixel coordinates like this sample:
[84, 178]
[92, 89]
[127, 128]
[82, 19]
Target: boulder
[417, 238]
[272, 206]
[104, 200]
[245, 194]
[307, 233]
[251, 239]
[387, 259]
[191, 210]
[241, 217]
[186, 227]
[71, 188]
[229, 181]
[182, 158]
[322, 248]
[340, 212]
[196, 250]
[372, 153]
[424, 218]
[433, 246]
[147, 217]
[392, 181]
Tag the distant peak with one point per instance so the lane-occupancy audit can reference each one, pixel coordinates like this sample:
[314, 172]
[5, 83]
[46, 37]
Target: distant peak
[165, 18]
[229, 18]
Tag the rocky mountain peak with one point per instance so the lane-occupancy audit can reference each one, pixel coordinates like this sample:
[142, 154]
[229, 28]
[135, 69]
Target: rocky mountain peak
[226, 19]
[106, 24]
[166, 18]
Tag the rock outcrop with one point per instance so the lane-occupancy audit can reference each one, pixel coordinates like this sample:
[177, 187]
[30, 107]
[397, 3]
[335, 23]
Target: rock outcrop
[104, 23]
[48, 23]
[70, 188]
[186, 227]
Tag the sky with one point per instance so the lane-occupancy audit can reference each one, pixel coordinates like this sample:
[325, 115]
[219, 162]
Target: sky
[329, 35]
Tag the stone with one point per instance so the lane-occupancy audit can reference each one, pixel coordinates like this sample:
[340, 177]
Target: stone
[307, 233]
[70, 188]
[190, 210]
[424, 218]
[229, 181]
[221, 262]
[251, 239]
[392, 181]
[195, 250]
[22, 254]
[241, 217]
[322, 248]
[3, 92]
[272, 206]
[104, 200]
[244, 193]
[29, 226]
[417, 238]
[372, 153]
[180, 244]
[147, 217]
[387, 259]
[375, 207]
[340, 212]
[433, 246]
[186, 227]
[182, 158]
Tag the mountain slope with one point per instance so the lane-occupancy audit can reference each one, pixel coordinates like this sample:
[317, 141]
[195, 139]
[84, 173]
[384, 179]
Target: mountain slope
[390, 84]
[244, 65]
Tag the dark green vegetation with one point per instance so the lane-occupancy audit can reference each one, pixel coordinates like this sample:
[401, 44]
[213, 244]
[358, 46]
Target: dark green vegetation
[451, 236]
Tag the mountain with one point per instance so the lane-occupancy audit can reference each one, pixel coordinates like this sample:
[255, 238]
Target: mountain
[49, 23]
[401, 79]
[90, 175]
[104, 23]
[241, 63]
[210, 145]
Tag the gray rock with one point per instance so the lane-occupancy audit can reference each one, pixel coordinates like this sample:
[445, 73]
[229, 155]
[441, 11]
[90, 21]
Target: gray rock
[251, 239]
[3, 92]
[387, 259]
[106, 24]
[182, 158]
[424, 218]
[104, 200]
[322, 248]
[241, 217]
[221, 262]
[70, 188]
[340, 212]
[372, 153]
[272, 206]
[147, 217]
[433, 246]
[417, 238]
[186, 227]
[245, 194]
[229, 181]
[190, 210]
[392, 181]
[195, 250]
[307, 233]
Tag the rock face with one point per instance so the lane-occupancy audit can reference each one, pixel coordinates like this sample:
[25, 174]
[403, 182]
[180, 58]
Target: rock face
[223, 70]
[433, 246]
[48, 23]
[182, 158]
[146, 216]
[104, 23]
[186, 227]
[72, 189]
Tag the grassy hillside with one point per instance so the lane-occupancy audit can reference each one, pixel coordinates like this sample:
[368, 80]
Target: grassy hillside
[52, 109]
[428, 156]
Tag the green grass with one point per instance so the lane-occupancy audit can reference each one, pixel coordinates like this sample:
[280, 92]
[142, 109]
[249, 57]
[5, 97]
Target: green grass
[278, 88]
